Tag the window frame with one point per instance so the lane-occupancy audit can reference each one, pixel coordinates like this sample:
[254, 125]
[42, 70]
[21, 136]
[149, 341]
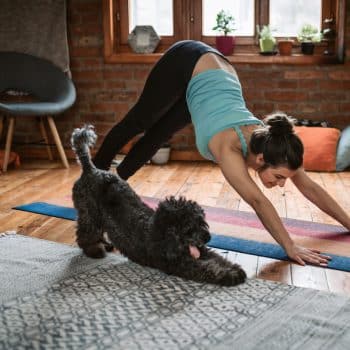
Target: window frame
[188, 25]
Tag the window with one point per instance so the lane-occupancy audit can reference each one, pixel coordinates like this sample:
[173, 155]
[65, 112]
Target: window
[287, 16]
[157, 12]
[242, 11]
[177, 20]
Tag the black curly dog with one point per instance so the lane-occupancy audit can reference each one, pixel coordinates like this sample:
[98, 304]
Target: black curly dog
[162, 238]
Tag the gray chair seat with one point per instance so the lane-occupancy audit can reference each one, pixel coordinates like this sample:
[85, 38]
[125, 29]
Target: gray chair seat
[33, 108]
[53, 91]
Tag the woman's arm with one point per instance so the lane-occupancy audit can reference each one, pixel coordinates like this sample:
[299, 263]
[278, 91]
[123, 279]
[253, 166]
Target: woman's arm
[234, 169]
[317, 195]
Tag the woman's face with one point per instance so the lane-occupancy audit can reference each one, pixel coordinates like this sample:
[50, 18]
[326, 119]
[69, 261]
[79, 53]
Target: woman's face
[275, 176]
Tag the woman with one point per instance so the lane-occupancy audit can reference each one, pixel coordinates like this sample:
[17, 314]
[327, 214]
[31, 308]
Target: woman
[193, 82]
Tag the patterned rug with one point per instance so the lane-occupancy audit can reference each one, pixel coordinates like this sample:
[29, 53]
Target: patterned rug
[52, 297]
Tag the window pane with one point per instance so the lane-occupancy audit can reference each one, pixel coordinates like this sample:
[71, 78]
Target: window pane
[241, 10]
[288, 16]
[157, 13]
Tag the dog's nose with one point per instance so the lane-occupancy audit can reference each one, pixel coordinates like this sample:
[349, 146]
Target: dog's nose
[206, 236]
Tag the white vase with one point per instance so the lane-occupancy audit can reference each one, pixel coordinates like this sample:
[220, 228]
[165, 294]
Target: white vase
[161, 156]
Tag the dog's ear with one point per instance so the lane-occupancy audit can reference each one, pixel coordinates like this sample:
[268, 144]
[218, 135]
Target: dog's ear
[171, 244]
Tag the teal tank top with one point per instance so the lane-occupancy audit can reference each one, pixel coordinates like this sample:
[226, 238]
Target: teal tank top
[215, 101]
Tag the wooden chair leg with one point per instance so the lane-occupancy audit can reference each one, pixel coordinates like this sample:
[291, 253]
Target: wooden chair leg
[9, 137]
[58, 141]
[44, 135]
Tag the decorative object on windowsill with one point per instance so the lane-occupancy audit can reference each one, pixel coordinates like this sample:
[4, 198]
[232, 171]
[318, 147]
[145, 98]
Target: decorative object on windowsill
[143, 39]
[328, 35]
[162, 155]
[267, 42]
[285, 47]
[308, 36]
[225, 24]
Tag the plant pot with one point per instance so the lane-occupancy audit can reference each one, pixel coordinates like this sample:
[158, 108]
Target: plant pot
[285, 47]
[225, 44]
[161, 156]
[267, 45]
[307, 47]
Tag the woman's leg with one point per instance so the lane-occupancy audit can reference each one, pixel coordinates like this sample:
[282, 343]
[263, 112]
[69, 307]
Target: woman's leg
[164, 86]
[176, 118]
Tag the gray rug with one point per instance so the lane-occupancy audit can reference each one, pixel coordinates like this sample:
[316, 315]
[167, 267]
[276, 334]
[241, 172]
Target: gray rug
[52, 297]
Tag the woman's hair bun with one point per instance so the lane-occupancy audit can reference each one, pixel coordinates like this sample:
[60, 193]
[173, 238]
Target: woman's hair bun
[279, 124]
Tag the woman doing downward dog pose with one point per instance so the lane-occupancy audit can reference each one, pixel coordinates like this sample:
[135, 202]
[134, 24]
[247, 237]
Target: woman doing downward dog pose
[193, 82]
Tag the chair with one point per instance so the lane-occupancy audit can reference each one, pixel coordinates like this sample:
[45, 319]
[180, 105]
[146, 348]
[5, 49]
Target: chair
[47, 83]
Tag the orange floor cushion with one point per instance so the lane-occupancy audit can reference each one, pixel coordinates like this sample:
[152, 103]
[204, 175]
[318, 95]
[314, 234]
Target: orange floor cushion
[320, 147]
[13, 159]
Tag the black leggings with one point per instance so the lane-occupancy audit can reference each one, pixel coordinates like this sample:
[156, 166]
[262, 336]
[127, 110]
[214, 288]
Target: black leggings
[160, 111]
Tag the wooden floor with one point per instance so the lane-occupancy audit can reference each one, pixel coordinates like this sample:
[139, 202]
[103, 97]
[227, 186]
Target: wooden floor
[200, 181]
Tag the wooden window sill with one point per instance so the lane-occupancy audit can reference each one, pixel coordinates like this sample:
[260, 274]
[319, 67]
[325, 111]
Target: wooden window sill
[295, 59]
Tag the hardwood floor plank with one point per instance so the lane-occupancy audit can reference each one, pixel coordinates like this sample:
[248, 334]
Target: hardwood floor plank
[211, 187]
[296, 205]
[274, 270]
[194, 184]
[202, 181]
[338, 281]
[154, 183]
[309, 277]
[228, 198]
[249, 263]
[173, 185]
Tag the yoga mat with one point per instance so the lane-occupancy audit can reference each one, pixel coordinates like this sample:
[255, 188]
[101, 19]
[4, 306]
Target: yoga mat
[246, 246]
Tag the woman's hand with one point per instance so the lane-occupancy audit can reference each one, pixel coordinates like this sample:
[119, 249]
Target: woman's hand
[302, 255]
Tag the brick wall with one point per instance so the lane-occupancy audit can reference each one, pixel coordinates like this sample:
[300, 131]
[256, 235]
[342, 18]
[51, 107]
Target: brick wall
[106, 91]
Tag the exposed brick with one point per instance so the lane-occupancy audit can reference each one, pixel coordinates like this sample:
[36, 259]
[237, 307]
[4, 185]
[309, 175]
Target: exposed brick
[331, 84]
[98, 118]
[285, 96]
[106, 92]
[287, 84]
[329, 107]
[308, 84]
[90, 85]
[86, 51]
[119, 74]
[304, 74]
[340, 74]
[308, 108]
[345, 108]
[288, 108]
[87, 75]
[333, 96]
[106, 106]
[117, 85]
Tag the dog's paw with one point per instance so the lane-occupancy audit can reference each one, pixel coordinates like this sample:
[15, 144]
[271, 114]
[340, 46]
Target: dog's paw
[107, 243]
[233, 276]
[108, 246]
[96, 251]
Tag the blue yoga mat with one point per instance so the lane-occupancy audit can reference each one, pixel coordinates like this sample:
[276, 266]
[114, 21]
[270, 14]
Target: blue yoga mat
[217, 241]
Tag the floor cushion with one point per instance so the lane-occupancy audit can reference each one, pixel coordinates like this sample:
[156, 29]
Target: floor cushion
[13, 159]
[320, 147]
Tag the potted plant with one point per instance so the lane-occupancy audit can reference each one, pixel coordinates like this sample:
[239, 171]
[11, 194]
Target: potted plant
[267, 42]
[225, 24]
[162, 155]
[308, 36]
[285, 46]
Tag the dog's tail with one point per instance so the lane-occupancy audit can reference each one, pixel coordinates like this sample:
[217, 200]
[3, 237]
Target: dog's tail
[81, 140]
